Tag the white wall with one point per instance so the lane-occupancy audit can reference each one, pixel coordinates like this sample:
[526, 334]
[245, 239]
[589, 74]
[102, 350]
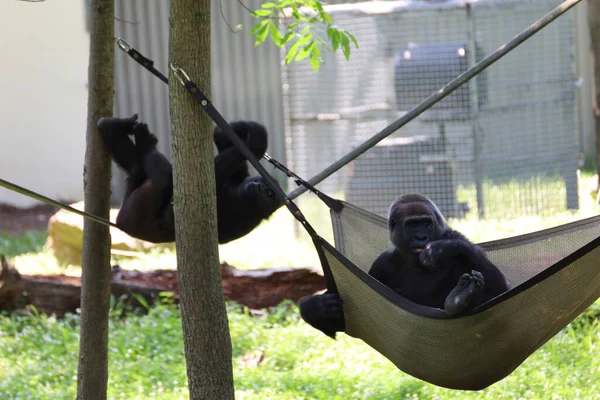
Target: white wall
[43, 98]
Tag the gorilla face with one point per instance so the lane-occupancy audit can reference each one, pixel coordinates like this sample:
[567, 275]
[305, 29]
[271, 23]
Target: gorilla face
[413, 224]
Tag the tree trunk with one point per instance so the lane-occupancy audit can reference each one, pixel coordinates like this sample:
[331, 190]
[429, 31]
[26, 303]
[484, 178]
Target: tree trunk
[92, 371]
[204, 317]
[594, 23]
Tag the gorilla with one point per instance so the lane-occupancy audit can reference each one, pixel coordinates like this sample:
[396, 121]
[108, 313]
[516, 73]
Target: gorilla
[243, 202]
[428, 263]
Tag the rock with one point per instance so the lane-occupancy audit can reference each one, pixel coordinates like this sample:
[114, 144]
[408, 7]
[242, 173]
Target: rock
[65, 237]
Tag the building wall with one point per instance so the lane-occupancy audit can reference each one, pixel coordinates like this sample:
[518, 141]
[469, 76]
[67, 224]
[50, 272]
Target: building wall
[43, 98]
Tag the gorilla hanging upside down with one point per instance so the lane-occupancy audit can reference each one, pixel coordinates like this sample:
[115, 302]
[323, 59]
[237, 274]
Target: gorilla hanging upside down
[428, 263]
[147, 209]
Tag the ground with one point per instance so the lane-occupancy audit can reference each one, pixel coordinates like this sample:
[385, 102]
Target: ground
[18, 220]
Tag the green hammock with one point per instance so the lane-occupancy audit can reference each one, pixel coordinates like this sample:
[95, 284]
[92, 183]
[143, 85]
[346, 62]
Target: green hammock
[555, 275]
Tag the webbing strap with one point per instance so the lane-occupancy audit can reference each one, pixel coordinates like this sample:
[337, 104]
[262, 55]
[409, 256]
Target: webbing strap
[200, 98]
[139, 57]
[147, 63]
[55, 203]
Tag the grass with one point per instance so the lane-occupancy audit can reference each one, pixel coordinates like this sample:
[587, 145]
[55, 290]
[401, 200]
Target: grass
[38, 353]
[39, 360]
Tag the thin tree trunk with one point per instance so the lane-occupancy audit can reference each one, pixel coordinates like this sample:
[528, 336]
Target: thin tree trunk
[594, 23]
[92, 371]
[204, 316]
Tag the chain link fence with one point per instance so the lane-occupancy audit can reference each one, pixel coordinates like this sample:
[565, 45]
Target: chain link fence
[506, 144]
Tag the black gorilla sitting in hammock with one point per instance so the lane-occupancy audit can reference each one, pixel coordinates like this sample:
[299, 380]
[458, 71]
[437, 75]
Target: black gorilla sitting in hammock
[243, 202]
[428, 263]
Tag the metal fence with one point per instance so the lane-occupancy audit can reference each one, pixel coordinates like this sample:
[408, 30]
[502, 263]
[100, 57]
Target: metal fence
[504, 145]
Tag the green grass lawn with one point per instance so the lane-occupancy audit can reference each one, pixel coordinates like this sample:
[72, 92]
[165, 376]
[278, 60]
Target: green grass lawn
[276, 356]
[39, 359]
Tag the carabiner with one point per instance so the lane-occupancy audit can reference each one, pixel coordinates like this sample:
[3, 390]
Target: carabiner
[180, 74]
[123, 45]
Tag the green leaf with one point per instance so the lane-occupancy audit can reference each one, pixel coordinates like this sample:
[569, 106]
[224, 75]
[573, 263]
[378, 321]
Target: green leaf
[287, 37]
[262, 13]
[292, 52]
[305, 51]
[275, 34]
[327, 18]
[269, 5]
[305, 39]
[315, 49]
[345, 45]
[315, 62]
[257, 27]
[261, 35]
[353, 38]
[335, 39]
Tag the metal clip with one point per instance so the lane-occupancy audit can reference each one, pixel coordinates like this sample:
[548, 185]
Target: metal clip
[123, 45]
[180, 74]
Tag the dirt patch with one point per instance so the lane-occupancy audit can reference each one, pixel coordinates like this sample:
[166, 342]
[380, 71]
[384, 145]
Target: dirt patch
[16, 220]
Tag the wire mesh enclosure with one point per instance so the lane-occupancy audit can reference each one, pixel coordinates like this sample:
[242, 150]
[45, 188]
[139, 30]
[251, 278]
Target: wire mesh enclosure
[503, 145]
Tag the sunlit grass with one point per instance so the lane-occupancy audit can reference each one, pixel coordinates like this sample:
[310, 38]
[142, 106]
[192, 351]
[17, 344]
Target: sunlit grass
[292, 361]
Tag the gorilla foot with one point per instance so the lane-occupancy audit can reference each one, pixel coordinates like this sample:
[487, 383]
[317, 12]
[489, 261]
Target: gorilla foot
[117, 125]
[145, 141]
[460, 297]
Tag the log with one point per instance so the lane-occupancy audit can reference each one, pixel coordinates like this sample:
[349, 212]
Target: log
[60, 294]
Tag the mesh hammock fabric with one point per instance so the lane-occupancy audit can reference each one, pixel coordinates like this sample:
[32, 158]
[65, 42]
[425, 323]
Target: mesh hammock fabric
[555, 275]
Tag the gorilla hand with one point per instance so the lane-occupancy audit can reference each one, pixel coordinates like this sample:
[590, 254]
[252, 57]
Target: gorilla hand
[323, 312]
[440, 250]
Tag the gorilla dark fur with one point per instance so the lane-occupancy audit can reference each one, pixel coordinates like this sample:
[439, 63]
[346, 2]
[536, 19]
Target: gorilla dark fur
[428, 263]
[147, 209]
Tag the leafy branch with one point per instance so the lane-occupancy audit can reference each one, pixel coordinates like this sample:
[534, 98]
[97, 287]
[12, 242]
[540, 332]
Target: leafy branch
[303, 36]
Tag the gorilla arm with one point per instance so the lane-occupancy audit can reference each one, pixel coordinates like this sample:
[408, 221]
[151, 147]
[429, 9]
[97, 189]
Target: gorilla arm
[484, 280]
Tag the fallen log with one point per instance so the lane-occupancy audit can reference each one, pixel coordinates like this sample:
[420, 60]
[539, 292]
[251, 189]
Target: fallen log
[60, 294]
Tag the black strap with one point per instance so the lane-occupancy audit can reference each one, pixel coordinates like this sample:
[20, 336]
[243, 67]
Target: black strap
[139, 57]
[147, 63]
[332, 203]
[200, 98]
[55, 203]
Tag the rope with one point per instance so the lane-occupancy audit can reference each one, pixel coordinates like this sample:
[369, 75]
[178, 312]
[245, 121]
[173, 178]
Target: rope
[55, 203]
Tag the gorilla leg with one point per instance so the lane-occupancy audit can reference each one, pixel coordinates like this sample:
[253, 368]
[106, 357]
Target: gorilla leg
[251, 132]
[147, 212]
[231, 167]
[115, 133]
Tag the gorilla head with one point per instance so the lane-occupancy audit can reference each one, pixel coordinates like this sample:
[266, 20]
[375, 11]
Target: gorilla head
[414, 221]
